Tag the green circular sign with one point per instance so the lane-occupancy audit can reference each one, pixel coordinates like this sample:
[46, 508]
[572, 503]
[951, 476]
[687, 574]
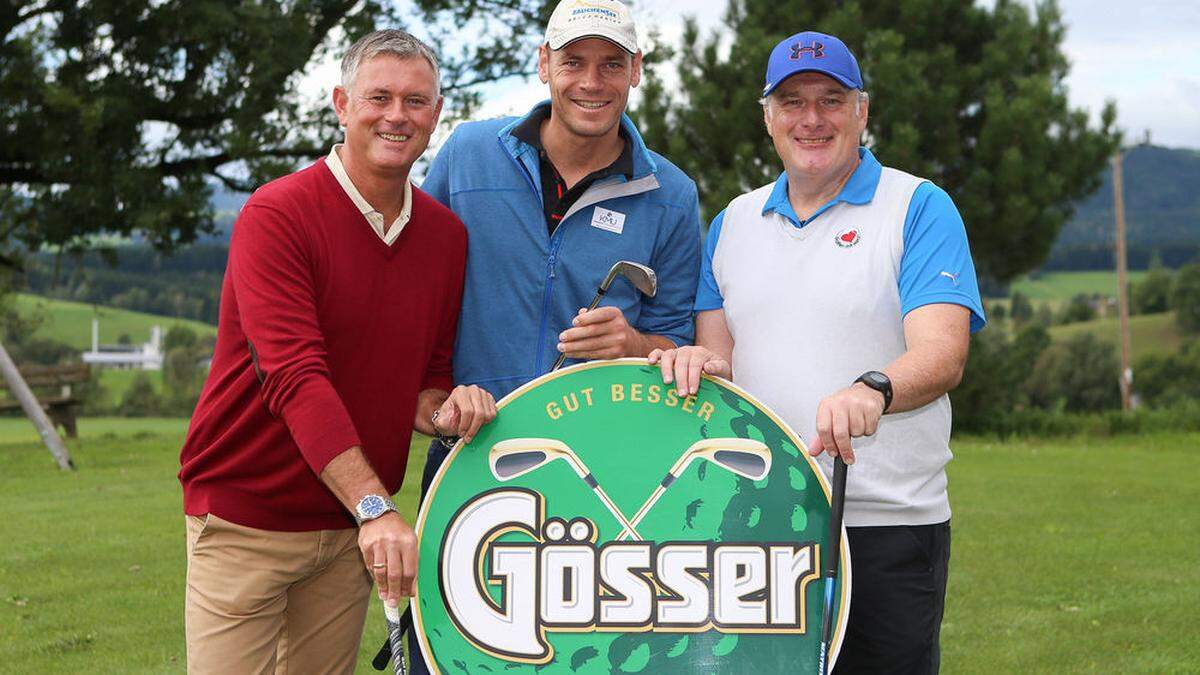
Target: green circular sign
[602, 523]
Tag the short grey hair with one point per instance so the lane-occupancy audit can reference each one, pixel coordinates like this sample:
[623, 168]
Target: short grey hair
[390, 41]
[859, 97]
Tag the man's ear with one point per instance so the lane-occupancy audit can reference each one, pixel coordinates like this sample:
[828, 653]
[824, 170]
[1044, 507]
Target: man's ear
[636, 72]
[544, 64]
[341, 103]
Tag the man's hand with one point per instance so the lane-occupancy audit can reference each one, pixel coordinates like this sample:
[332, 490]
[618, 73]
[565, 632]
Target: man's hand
[466, 410]
[849, 413]
[389, 549]
[684, 365]
[602, 333]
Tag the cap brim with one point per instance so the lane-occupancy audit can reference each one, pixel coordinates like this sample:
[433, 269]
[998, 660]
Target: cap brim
[839, 78]
[565, 39]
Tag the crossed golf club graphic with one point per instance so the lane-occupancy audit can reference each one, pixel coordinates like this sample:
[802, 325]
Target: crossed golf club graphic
[518, 456]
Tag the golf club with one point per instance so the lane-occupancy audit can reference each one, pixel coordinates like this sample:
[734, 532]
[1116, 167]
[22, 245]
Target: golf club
[397, 624]
[642, 277]
[837, 502]
[519, 456]
[743, 456]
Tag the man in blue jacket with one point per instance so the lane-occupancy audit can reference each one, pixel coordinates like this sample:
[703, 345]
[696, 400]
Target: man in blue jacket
[552, 200]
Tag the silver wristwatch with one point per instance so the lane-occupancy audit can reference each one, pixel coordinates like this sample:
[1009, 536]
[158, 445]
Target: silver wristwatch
[371, 507]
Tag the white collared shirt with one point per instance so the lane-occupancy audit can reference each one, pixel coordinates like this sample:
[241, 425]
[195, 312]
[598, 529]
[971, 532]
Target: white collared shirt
[374, 217]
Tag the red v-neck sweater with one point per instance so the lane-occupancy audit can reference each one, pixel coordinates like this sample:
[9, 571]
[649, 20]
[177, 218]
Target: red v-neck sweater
[346, 331]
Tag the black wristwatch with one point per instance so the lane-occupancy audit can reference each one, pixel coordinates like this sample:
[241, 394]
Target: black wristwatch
[447, 442]
[880, 383]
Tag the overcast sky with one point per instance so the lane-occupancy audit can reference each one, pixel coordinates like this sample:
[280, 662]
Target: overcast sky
[1145, 55]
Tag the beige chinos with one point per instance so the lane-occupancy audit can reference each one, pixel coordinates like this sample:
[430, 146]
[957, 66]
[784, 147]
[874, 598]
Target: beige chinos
[262, 601]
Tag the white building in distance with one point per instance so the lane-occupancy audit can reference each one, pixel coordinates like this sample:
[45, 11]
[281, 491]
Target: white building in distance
[147, 356]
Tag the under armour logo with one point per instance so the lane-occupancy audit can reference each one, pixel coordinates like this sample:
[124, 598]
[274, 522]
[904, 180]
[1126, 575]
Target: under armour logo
[817, 50]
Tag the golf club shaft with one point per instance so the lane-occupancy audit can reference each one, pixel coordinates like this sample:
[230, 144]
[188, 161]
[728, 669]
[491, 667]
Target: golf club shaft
[393, 643]
[637, 518]
[629, 527]
[592, 305]
[837, 503]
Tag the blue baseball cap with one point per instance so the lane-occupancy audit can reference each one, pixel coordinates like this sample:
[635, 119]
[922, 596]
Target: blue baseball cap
[812, 52]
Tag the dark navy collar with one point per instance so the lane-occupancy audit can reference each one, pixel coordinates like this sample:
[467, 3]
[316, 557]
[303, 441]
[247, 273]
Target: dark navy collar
[860, 189]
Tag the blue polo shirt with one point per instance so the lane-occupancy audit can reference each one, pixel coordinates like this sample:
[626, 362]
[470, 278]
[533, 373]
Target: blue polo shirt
[936, 266]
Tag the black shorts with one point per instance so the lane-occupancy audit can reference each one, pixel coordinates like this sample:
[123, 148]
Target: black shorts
[897, 597]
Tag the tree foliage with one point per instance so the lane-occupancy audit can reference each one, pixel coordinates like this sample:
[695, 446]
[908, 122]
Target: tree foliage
[1185, 298]
[117, 116]
[969, 96]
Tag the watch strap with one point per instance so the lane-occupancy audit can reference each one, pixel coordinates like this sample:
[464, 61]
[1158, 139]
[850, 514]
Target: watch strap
[880, 383]
[447, 442]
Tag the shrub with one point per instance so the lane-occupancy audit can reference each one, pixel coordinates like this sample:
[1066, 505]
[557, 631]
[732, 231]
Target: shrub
[997, 366]
[140, 400]
[1021, 309]
[179, 336]
[1185, 298]
[1153, 293]
[1077, 375]
[1167, 380]
[1079, 309]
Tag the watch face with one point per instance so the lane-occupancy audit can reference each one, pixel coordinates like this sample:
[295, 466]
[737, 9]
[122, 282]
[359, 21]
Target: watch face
[371, 506]
[877, 379]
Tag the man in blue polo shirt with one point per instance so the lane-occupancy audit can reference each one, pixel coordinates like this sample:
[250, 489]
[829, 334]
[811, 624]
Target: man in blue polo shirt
[843, 295]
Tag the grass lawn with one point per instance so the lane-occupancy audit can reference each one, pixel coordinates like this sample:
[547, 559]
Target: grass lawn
[1148, 333]
[1062, 286]
[1069, 556]
[71, 322]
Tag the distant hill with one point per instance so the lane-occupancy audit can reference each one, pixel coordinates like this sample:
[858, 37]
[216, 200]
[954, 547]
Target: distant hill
[1162, 213]
[71, 322]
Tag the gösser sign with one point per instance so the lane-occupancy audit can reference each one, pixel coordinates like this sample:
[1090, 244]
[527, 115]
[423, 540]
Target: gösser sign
[603, 523]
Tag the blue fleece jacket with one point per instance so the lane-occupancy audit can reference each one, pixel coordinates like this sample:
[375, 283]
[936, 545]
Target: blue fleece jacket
[523, 285]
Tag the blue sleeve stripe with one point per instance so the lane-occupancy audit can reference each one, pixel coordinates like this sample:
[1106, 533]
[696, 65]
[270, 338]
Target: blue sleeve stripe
[936, 266]
[708, 296]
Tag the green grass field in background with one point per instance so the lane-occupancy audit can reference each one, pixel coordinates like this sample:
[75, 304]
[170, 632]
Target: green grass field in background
[1148, 333]
[1062, 286]
[1069, 556]
[71, 322]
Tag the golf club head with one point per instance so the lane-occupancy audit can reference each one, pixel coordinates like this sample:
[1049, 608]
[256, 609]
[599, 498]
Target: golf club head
[745, 457]
[643, 278]
[518, 456]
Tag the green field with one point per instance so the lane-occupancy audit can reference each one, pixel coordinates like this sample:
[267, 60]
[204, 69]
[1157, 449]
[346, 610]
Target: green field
[1062, 286]
[1148, 333]
[1069, 556]
[71, 322]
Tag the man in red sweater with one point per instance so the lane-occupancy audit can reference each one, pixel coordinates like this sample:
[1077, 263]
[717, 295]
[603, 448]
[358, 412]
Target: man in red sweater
[338, 317]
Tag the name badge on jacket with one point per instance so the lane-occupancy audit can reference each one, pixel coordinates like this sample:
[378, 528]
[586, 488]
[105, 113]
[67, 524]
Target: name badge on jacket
[608, 220]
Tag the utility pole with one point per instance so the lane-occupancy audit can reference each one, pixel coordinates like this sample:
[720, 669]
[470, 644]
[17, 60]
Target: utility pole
[1126, 375]
[33, 410]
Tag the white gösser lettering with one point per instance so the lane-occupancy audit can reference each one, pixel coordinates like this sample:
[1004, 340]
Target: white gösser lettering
[563, 581]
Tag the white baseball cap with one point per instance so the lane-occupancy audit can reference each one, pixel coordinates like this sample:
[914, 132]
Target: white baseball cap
[577, 19]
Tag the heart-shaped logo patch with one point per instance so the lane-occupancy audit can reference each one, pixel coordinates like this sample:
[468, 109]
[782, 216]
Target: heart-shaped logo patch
[847, 238]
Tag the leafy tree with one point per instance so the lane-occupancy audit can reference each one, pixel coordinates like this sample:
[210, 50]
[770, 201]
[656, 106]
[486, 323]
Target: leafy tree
[1078, 375]
[1185, 299]
[1078, 309]
[116, 117]
[141, 400]
[1152, 294]
[1173, 378]
[997, 366]
[1022, 308]
[179, 336]
[969, 95]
